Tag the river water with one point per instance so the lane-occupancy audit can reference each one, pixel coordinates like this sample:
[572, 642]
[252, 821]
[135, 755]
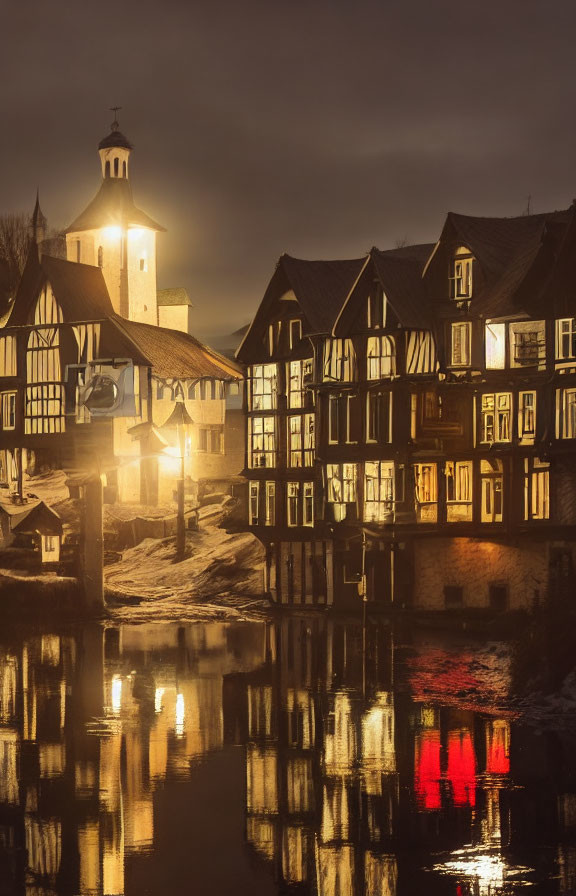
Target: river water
[302, 755]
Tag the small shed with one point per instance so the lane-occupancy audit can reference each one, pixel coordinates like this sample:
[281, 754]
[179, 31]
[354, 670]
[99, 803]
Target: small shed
[39, 523]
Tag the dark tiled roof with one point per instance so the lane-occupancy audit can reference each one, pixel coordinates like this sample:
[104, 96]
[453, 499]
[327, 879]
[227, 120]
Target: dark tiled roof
[321, 287]
[79, 289]
[176, 296]
[113, 206]
[494, 241]
[401, 277]
[175, 354]
[115, 138]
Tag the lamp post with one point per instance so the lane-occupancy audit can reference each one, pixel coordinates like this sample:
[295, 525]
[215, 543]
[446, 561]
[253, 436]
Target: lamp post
[179, 419]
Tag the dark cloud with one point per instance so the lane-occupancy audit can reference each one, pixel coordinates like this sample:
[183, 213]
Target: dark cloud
[317, 128]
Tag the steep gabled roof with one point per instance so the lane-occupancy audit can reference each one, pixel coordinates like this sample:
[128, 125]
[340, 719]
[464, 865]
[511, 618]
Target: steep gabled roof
[175, 354]
[400, 273]
[495, 241]
[80, 289]
[321, 287]
[113, 206]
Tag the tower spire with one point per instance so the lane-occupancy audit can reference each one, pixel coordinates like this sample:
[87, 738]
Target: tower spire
[115, 126]
[38, 223]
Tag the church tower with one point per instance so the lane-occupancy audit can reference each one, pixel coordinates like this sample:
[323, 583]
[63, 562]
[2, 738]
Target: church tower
[117, 236]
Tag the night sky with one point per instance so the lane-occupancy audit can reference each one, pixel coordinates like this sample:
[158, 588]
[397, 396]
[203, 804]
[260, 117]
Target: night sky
[314, 128]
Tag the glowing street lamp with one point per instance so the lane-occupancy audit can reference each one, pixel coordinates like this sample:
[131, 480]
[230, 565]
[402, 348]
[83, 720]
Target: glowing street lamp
[180, 420]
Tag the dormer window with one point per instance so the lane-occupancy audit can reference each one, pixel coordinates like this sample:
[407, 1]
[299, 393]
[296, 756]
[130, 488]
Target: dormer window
[461, 275]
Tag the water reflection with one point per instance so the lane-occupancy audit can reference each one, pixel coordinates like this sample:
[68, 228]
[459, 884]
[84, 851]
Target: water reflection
[372, 767]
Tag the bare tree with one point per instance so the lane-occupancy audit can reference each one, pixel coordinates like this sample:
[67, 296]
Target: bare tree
[14, 242]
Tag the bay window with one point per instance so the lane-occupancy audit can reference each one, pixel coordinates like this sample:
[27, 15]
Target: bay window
[339, 360]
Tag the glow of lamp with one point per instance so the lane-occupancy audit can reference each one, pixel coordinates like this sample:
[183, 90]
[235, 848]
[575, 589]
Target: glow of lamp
[180, 714]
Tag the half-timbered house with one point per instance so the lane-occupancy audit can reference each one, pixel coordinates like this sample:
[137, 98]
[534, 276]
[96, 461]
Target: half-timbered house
[418, 422]
[85, 390]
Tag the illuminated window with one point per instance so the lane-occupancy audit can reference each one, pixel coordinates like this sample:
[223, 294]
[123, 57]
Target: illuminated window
[261, 442]
[461, 275]
[8, 410]
[425, 483]
[379, 491]
[527, 416]
[270, 515]
[379, 417]
[458, 491]
[566, 339]
[339, 360]
[301, 440]
[381, 357]
[495, 346]
[262, 385]
[536, 489]
[100, 257]
[299, 377]
[496, 417]
[491, 478]
[8, 356]
[566, 413]
[460, 344]
[426, 492]
[341, 488]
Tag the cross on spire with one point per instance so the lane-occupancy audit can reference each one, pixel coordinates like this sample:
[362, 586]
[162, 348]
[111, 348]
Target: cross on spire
[115, 124]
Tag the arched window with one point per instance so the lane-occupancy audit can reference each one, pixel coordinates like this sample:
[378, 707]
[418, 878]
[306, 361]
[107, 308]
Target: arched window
[107, 169]
[461, 274]
[124, 169]
[116, 166]
[381, 357]
[100, 257]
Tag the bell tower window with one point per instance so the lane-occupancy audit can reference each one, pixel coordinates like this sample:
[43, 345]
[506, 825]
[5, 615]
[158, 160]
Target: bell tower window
[124, 169]
[116, 166]
[107, 169]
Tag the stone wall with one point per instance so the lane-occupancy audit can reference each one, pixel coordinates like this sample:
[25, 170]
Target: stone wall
[475, 565]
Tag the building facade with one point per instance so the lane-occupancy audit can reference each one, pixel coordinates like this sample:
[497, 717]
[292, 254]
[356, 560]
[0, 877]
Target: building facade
[411, 419]
[89, 381]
